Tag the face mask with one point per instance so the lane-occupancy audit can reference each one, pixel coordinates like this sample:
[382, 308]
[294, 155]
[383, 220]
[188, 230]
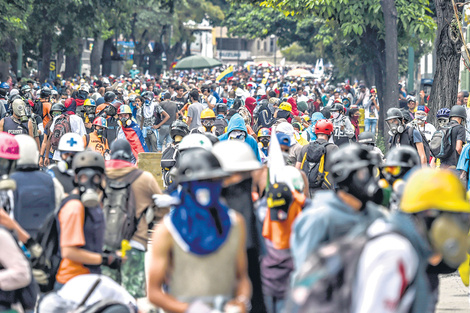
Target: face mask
[237, 135]
[205, 193]
[89, 182]
[421, 118]
[355, 118]
[124, 121]
[449, 236]
[265, 142]
[335, 115]
[364, 186]
[395, 127]
[100, 132]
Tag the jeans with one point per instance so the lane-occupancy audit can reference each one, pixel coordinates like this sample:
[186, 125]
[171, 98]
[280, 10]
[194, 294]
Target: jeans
[151, 138]
[370, 125]
[273, 304]
[164, 135]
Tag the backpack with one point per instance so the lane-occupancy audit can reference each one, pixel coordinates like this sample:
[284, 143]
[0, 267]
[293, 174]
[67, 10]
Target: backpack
[48, 260]
[313, 164]
[119, 208]
[441, 142]
[427, 148]
[34, 199]
[265, 118]
[327, 277]
[220, 125]
[61, 127]
[169, 158]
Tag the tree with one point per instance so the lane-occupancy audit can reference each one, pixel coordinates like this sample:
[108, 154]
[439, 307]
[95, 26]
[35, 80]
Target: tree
[391, 56]
[448, 44]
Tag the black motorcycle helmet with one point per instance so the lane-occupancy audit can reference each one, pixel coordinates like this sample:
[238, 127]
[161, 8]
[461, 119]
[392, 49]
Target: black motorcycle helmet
[393, 113]
[366, 138]
[458, 111]
[121, 150]
[354, 171]
[178, 128]
[58, 107]
[198, 164]
[398, 162]
[109, 96]
[222, 108]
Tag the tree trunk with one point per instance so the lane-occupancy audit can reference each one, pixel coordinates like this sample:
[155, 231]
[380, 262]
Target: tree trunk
[106, 59]
[46, 56]
[390, 90]
[448, 43]
[60, 60]
[72, 60]
[95, 56]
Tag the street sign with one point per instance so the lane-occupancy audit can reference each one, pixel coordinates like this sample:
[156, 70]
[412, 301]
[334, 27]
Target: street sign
[52, 69]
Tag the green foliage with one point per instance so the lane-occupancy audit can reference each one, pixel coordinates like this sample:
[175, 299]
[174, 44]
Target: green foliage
[380, 143]
[297, 53]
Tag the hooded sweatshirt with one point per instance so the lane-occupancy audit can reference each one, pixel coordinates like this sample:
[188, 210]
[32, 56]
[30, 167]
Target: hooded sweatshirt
[237, 123]
[143, 187]
[311, 128]
[327, 219]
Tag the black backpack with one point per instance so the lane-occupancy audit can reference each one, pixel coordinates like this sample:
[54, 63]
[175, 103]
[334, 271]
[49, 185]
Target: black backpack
[313, 164]
[326, 280]
[119, 208]
[169, 158]
[265, 118]
[426, 145]
[441, 142]
[48, 237]
[220, 126]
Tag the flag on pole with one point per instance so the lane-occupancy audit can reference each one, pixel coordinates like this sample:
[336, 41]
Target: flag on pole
[225, 74]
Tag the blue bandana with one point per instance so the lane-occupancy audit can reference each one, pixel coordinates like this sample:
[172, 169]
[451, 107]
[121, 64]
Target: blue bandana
[200, 224]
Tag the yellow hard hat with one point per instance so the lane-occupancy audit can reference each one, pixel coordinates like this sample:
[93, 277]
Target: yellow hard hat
[207, 113]
[286, 106]
[434, 189]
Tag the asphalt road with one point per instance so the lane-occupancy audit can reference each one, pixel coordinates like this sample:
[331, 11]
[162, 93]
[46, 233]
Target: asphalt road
[453, 295]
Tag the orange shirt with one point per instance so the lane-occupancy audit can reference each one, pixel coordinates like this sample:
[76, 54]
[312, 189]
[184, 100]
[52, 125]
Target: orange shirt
[72, 220]
[46, 110]
[96, 144]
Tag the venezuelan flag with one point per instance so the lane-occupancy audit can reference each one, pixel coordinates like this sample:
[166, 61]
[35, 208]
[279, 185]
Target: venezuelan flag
[225, 74]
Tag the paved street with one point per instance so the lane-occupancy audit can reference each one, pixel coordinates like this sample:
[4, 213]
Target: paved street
[453, 295]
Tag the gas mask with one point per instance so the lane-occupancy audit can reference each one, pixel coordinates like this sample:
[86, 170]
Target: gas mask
[6, 183]
[65, 166]
[421, 117]
[395, 127]
[442, 121]
[27, 111]
[19, 110]
[89, 182]
[124, 121]
[265, 141]
[205, 193]
[100, 132]
[283, 114]
[363, 185]
[448, 234]
[334, 115]
[207, 123]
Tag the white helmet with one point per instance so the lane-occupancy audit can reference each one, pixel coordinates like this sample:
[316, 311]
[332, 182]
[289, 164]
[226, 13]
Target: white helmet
[71, 142]
[292, 178]
[195, 141]
[29, 153]
[235, 156]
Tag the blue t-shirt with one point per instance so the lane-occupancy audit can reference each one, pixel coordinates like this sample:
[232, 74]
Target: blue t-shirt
[462, 164]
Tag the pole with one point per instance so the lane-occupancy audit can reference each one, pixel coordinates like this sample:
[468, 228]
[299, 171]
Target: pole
[238, 54]
[411, 69]
[274, 51]
[19, 60]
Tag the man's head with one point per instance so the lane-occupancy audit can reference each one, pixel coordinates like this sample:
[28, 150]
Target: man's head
[442, 116]
[194, 95]
[121, 150]
[353, 171]
[458, 113]
[437, 202]
[323, 129]
[89, 174]
[205, 90]
[398, 162]
[167, 96]
[464, 97]
[411, 102]
[421, 114]
[99, 125]
[394, 120]
[179, 91]
[19, 110]
[207, 119]
[125, 115]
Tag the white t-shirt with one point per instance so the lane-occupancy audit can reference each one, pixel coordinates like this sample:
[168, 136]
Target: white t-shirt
[76, 125]
[386, 267]
[427, 130]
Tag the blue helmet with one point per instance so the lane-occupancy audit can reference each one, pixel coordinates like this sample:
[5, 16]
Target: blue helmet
[443, 112]
[4, 86]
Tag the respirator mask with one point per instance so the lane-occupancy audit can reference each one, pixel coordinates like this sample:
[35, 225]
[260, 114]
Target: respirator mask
[89, 182]
[265, 141]
[363, 185]
[448, 234]
[395, 127]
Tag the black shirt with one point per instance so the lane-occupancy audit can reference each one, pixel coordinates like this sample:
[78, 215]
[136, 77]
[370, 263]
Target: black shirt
[458, 133]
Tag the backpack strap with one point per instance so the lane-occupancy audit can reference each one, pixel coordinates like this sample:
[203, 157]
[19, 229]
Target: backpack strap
[132, 176]
[87, 137]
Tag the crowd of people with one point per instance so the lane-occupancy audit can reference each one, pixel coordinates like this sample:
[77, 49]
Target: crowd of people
[275, 196]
